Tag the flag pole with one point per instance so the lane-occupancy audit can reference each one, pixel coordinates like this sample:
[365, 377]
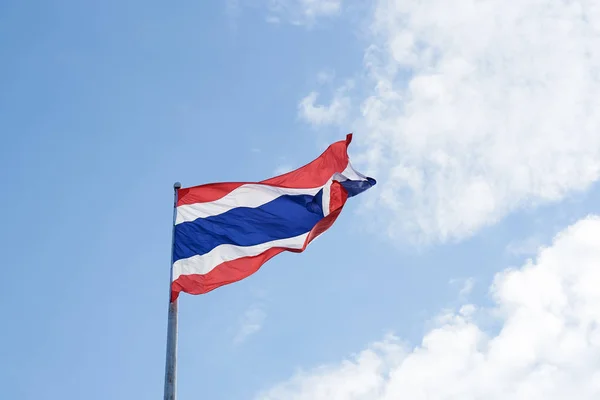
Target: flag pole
[171, 359]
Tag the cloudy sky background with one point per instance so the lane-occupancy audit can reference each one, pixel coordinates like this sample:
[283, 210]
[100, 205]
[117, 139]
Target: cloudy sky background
[469, 272]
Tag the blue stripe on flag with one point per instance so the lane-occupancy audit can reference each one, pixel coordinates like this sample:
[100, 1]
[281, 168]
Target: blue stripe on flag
[356, 187]
[316, 205]
[285, 217]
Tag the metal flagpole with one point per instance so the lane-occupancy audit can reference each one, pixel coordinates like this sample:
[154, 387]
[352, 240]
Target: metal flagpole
[171, 361]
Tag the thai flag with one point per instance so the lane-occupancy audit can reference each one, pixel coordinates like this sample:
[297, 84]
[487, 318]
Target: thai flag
[225, 232]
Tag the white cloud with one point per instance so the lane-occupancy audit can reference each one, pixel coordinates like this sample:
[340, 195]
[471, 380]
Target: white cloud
[325, 76]
[334, 113]
[467, 287]
[476, 109]
[547, 346]
[525, 247]
[302, 12]
[319, 114]
[251, 322]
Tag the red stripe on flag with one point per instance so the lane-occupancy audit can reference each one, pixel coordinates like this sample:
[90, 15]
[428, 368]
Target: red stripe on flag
[338, 196]
[314, 174]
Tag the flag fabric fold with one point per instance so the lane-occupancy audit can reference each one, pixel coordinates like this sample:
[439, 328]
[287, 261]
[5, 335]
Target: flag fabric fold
[225, 232]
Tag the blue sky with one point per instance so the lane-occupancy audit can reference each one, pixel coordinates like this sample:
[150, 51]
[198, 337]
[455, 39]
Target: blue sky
[103, 106]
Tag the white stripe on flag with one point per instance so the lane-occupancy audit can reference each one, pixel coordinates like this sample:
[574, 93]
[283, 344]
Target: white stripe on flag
[249, 195]
[351, 174]
[326, 199]
[227, 252]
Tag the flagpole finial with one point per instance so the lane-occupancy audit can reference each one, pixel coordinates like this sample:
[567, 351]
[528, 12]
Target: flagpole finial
[177, 185]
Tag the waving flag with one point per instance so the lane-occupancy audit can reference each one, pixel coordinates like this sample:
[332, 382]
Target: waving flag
[225, 232]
